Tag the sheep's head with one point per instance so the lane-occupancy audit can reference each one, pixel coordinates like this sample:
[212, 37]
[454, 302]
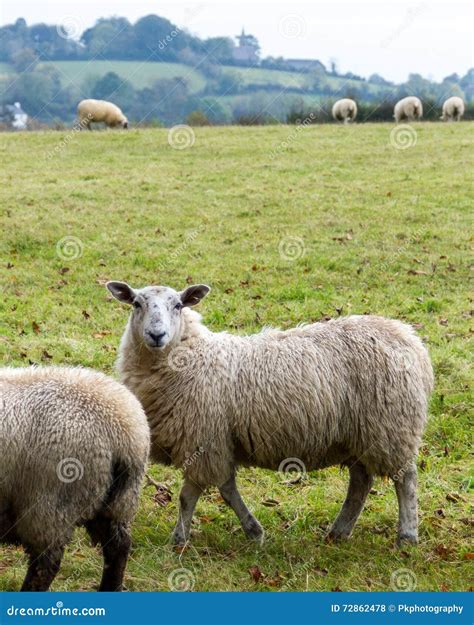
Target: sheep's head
[125, 123]
[156, 319]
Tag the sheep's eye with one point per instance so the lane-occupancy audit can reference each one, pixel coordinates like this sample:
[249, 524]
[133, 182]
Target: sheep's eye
[136, 304]
[178, 306]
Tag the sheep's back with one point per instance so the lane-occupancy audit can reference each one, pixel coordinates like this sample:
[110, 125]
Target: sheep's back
[357, 385]
[61, 431]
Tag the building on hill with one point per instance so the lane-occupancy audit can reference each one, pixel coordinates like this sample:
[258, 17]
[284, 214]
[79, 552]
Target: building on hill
[248, 49]
[304, 65]
[14, 116]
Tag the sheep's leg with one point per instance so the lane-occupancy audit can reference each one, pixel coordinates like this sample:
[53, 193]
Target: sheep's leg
[231, 496]
[42, 569]
[360, 483]
[188, 499]
[407, 506]
[114, 538]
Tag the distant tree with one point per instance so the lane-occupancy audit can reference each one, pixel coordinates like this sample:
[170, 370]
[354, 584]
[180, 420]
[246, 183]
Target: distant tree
[197, 118]
[219, 49]
[24, 60]
[376, 79]
[159, 37]
[111, 38]
[467, 84]
[166, 100]
[112, 87]
[41, 94]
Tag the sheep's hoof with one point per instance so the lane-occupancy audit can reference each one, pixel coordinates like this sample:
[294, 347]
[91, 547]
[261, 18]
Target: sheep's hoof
[178, 540]
[406, 539]
[255, 532]
[335, 536]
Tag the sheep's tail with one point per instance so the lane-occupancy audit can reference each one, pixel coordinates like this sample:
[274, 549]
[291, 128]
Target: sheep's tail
[122, 495]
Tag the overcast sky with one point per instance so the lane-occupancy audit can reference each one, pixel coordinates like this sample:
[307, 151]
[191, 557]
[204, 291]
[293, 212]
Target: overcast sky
[433, 38]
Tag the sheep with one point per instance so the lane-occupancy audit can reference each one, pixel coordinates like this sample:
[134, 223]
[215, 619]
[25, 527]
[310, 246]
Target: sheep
[453, 109]
[100, 111]
[351, 391]
[344, 110]
[409, 108]
[73, 449]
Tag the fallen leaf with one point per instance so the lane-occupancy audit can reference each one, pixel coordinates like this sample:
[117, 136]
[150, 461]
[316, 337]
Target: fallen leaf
[417, 272]
[322, 572]
[100, 335]
[85, 314]
[442, 551]
[468, 556]
[270, 503]
[63, 270]
[36, 328]
[255, 573]
[45, 355]
[274, 581]
[440, 512]
[455, 497]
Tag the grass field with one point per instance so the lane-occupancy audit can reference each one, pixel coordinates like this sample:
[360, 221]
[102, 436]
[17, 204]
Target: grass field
[287, 226]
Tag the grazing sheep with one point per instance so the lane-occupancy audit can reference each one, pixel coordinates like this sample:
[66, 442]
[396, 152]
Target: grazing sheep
[352, 391]
[73, 449]
[453, 109]
[409, 109]
[100, 111]
[344, 110]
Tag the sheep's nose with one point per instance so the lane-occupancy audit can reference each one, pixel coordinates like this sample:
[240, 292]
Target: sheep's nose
[156, 338]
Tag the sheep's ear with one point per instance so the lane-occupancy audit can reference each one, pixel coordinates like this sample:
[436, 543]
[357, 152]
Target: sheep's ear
[121, 291]
[194, 294]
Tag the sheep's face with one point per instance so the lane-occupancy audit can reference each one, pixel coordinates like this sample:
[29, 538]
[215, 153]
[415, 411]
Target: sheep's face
[156, 320]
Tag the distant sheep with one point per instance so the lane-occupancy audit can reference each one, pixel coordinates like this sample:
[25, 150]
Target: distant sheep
[453, 109]
[344, 110]
[89, 111]
[409, 109]
[73, 449]
[353, 391]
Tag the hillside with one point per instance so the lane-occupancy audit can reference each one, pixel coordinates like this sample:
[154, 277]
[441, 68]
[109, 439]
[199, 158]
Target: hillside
[143, 74]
